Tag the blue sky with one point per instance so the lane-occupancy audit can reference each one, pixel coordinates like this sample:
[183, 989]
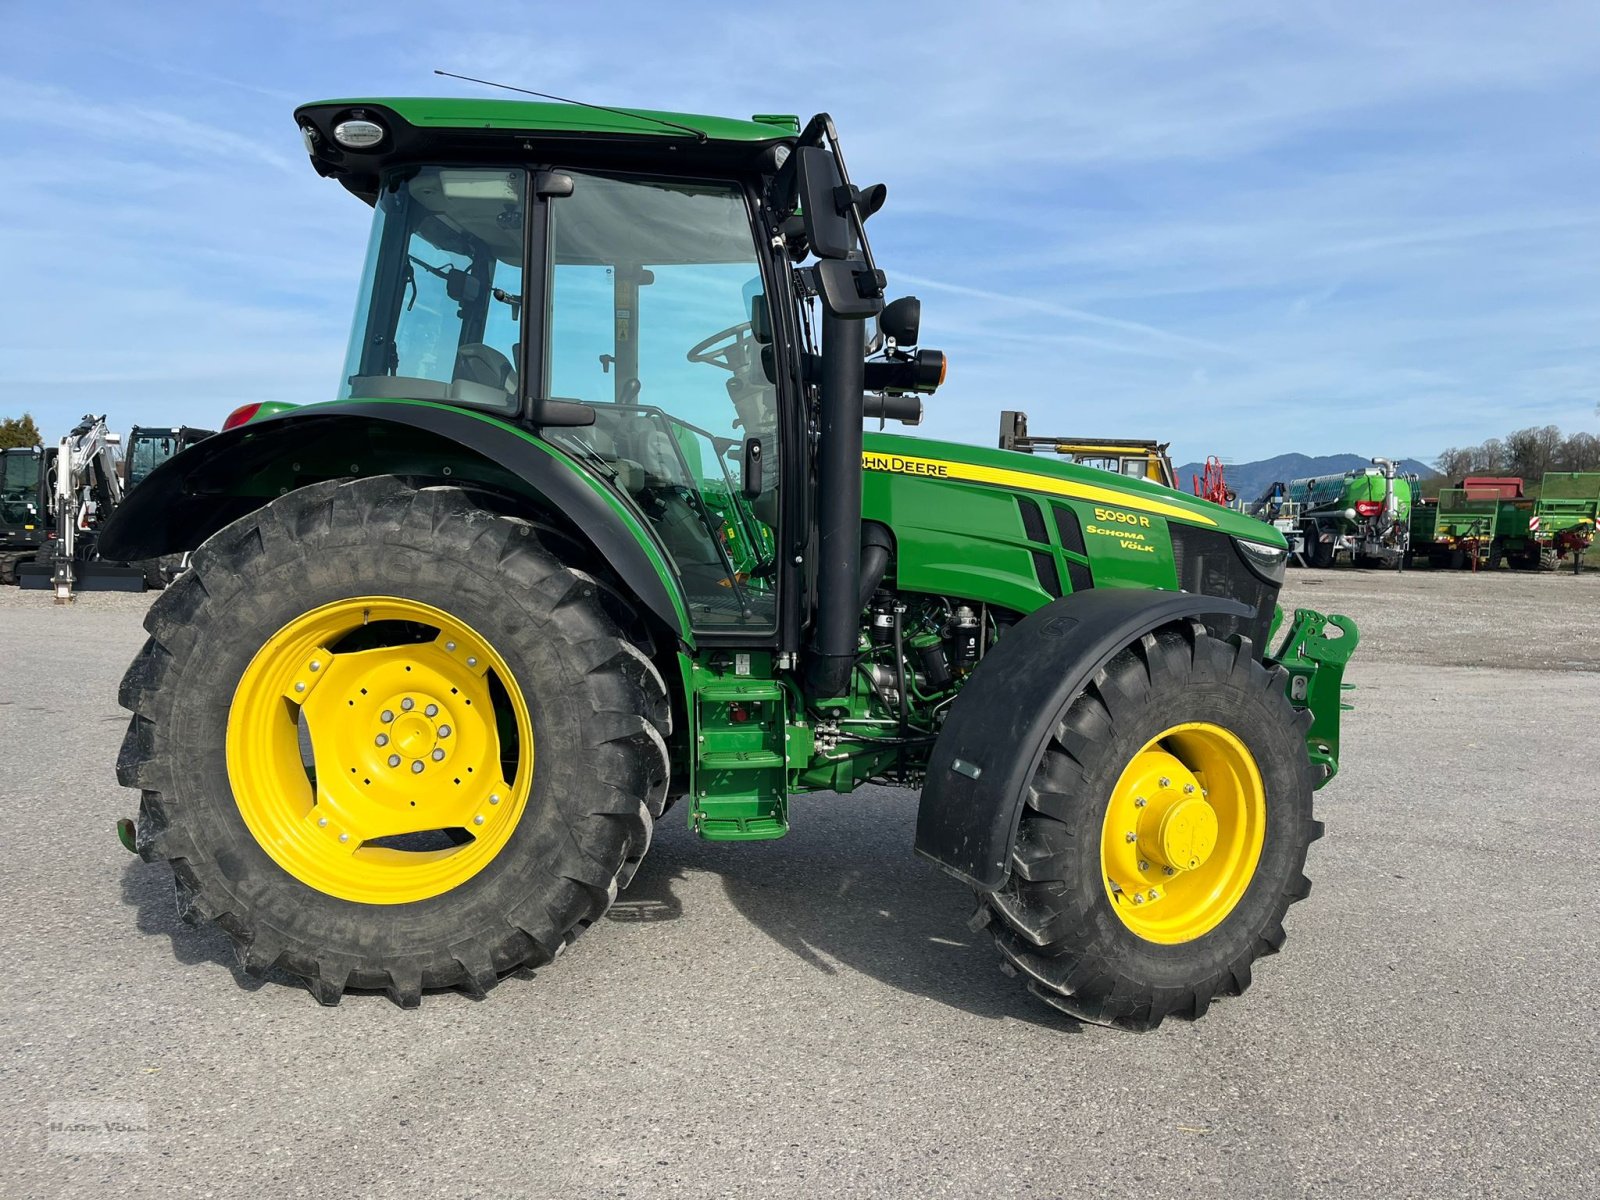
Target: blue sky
[1246, 228]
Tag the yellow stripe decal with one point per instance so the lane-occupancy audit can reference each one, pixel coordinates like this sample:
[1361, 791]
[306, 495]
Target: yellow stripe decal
[937, 468]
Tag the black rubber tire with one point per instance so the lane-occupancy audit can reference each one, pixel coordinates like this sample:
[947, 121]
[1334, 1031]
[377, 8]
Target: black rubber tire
[1549, 560]
[1053, 921]
[1318, 553]
[598, 705]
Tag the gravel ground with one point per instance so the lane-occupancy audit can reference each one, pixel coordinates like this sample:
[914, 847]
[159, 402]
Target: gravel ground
[810, 1017]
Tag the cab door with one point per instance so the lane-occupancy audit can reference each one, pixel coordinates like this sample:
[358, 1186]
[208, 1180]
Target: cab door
[654, 318]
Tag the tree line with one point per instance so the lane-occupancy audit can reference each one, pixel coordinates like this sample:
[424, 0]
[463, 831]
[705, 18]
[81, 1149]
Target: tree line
[1528, 452]
[18, 431]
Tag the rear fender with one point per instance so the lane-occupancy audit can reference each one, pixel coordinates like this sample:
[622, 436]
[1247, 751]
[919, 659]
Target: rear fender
[194, 494]
[1001, 721]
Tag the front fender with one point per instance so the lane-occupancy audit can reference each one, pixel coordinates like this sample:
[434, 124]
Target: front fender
[194, 494]
[999, 725]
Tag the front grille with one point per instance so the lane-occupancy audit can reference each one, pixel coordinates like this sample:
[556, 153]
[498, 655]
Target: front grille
[1209, 565]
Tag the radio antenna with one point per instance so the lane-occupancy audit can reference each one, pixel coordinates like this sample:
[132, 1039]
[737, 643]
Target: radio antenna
[699, 135]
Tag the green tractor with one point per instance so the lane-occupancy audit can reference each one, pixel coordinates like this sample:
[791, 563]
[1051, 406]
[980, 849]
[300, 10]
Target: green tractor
[593, 527]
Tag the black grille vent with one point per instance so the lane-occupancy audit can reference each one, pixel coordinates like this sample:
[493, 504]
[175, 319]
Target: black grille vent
[1209, 565]
[1044, 564]
[1079, 575]
[1032, 520]
[1071, 531]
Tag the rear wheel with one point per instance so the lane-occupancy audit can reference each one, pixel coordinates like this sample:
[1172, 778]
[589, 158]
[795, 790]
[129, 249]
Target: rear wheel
[1163, 837]
[1318, 552]
[387, 740]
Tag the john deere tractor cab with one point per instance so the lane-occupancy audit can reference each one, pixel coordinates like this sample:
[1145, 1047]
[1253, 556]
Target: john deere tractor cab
[592, 527]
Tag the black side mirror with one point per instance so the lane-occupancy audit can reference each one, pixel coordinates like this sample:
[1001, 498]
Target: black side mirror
[841, 284]
[552, 183]
[817, 185]
[902, 320]
[761, 320]
[750, 469]
[463, 287]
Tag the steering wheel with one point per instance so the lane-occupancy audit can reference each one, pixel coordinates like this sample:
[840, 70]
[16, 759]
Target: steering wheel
[727, 348]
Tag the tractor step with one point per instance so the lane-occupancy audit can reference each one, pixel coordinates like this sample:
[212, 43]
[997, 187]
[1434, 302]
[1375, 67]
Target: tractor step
[740, 760]
[741, 763]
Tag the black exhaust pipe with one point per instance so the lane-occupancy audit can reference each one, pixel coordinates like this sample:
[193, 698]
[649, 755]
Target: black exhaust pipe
[836, 630]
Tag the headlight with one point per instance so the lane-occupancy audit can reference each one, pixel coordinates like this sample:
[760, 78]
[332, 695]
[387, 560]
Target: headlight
[1269, 562]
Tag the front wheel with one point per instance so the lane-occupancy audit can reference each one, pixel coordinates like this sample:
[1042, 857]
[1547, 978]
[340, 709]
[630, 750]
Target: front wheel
[386, 739]
[1163, 836]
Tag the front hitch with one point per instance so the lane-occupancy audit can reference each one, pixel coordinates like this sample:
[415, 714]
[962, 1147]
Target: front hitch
[1314, 653]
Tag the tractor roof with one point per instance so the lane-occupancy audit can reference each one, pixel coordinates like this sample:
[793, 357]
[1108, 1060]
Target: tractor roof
[460, 129]
[445, 112]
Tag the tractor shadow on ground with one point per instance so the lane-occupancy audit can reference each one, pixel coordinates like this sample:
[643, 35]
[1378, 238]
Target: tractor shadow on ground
[843, 892]
[147, 889]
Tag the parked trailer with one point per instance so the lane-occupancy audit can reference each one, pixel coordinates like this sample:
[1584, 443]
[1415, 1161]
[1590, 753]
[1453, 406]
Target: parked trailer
[1364, 514]
[1477, 530]
[1564, 517]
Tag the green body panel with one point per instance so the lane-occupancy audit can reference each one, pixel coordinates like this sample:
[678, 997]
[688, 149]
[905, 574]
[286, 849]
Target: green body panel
[1320, 495]
[537, 116]
[1462, 516]
[1570, 485]
[959, 530]
[1424, 523]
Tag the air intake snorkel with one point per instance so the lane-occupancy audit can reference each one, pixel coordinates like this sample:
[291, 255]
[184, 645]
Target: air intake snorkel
[813, 180]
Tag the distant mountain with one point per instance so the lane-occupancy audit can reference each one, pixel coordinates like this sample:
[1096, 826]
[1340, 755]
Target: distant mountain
[1249, 480]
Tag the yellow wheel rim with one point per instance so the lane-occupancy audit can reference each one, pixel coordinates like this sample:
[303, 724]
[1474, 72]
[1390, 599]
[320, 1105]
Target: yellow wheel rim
[1183, 833]
[420, 744]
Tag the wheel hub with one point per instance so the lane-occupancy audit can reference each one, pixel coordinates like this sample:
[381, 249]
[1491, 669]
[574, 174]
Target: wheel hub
[1182, 833]
[406, 741]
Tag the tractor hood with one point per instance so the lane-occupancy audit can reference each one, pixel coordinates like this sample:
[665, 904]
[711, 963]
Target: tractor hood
[1016, 471]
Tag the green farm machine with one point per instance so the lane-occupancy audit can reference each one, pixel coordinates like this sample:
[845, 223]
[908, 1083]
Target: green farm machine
[1565, 517]
[593, 528]
[1363, 515]
[1486, 521]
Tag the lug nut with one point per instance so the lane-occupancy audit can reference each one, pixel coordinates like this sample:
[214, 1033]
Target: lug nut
[444, 731]
[1164, 781]
[1143, 866]
[1188, 789]
[1138, 899]
[394, 760]
[408, 704]
[344, 837]
[433, 711]
[449, 645]
[1130, 837]
[383, 739]
[1154, 895]
[416, 768]
[322, 822]
[1170, 870]
[478, 820]
[471, 662]
[494, 799]
[438, 756]
[299, 687]
[386, 716]
[315, 665]
[1139, 802]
